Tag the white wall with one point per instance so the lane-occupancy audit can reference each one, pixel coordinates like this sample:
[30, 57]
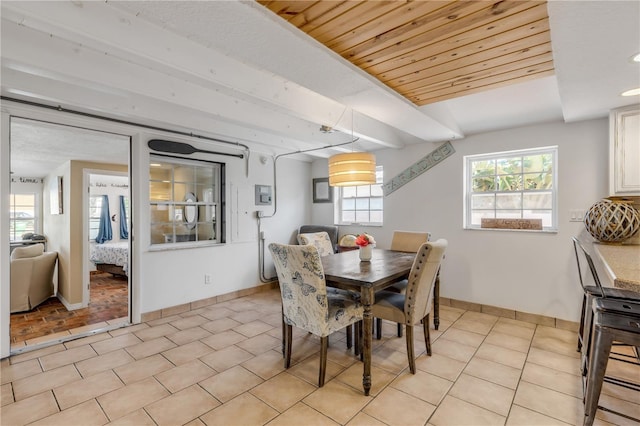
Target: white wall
[528, 272]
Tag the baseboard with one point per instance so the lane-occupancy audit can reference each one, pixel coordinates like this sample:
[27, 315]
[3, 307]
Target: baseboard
[186, 307]
[511, 313]
[69, 306]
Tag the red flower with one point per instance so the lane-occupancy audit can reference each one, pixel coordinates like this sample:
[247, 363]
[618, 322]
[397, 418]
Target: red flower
[364, 240]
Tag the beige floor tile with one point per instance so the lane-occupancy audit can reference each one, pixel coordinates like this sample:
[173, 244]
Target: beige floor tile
[567, 364]
[483, 393]
[266, 365]
[518, 323]
[352, 376]
[283, 391]
[139, 370]
[230, 383]
[86, 340]
[150, 347]
[32, 385]
[30, 409]
[450, 313]
[155, 332]
[501, 355]
[309, 369]
[253, 328]
[6, 394]
[220, 325]
[184, 375]
[550, 403]
[222, 340]
[49, 362]
[88, 413]
[621, 406]
[129, 329]
[339, 354]
[480, 317]
[337, 401]
[362, 419]
[623, 370]
[620, 392]
[556, 340]
[398, 408]
[245, 409]
[507, 341]
[182, 407]
[473, 326]
[166, 319]
[189, 322]
[216, 312]
[48, 338]
[83, 390]
[462, 336]
[520, 416]
[423, 385]
[119, 342]
[453, 411]
[12, 372]
[259, 344]
[130, 398]
[226, 358]
[101, 363]
[515, 328]
[137, 418]
[301, 414]
[187, 352]
[16, 359]
[89, 327]
[390, 360]
[452, 349]
[189, 335]
[441, 366]
[552, 379]
[494, 372]
[605, 418]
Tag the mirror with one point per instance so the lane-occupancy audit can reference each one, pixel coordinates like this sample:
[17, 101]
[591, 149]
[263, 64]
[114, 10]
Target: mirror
[190, 211]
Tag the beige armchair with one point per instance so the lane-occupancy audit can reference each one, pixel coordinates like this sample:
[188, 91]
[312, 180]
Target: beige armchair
[31, 276]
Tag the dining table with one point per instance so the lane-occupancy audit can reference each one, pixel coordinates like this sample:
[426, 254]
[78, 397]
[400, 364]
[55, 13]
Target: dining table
[345, 271]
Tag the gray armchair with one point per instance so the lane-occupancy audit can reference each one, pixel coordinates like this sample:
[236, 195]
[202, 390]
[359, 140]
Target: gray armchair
[31, 276]
[332, 230]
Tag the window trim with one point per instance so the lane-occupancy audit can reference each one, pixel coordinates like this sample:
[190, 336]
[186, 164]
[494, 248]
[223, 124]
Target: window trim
[337, 213]
[468, 159]
[36, 216]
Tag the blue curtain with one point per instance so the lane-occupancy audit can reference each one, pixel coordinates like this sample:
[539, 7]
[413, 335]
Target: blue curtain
[124, 231]
[104, 231]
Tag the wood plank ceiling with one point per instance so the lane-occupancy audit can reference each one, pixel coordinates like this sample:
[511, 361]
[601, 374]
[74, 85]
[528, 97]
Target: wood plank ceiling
[431, 51]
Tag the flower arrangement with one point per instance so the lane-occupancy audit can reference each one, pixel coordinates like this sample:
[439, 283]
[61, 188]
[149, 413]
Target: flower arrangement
[364, 240]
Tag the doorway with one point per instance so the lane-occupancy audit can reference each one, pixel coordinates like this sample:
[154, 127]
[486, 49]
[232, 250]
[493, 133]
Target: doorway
[53, 163]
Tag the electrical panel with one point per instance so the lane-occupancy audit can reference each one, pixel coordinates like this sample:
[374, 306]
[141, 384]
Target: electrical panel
[263, 195]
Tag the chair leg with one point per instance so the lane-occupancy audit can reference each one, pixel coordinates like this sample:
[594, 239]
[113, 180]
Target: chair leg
[283, 331]
[349, 337]
[324, 344]
[288, 342]
[427, 336]
[378, 328]
[410, 352]
[581, 328]
[399, 330]
[357, 338]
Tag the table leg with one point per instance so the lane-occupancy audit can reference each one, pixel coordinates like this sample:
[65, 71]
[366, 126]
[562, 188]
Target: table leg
[367, 334]
[436, 302]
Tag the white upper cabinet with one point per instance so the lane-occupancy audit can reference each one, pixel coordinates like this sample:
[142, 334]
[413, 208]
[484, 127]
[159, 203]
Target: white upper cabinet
[624, 154]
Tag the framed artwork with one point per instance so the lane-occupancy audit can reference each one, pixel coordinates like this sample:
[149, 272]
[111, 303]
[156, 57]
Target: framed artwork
[322, 192]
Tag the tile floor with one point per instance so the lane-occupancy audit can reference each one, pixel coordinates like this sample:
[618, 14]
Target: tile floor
[222, 365]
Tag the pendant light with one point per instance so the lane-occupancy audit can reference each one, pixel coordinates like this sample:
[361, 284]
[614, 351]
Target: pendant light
[352, 168]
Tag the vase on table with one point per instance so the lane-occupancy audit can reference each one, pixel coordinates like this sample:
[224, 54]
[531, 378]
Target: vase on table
[365, 253]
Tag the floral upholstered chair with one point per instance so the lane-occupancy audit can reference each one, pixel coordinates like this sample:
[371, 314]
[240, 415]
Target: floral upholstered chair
[320, 240]
[305, 301]
[415, 305]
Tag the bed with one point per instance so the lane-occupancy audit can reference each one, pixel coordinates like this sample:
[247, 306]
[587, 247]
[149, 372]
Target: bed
[111, 257]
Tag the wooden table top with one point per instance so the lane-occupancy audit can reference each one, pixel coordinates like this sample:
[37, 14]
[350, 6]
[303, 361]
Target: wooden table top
[385, 267]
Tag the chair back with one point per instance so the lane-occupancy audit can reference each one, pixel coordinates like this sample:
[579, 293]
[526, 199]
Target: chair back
[409, 242]
[332, 230]
[320, 240]
[587, 273]
[302, 286]
[419, 295]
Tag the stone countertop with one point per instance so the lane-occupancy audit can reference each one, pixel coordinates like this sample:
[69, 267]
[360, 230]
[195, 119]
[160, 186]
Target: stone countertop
[622, 263]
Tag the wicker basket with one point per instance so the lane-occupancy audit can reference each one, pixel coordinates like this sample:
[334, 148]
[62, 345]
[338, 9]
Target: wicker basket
[612, 221]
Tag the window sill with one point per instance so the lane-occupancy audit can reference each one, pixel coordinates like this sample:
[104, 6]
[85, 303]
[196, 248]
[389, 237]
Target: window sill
[532, 231]
[184, 245]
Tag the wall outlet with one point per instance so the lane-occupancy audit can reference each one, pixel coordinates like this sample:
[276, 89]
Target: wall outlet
[576, 215]
[207, 279]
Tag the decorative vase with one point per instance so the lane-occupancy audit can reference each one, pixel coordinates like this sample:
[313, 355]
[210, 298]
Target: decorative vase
[366, 252]
[612, 221]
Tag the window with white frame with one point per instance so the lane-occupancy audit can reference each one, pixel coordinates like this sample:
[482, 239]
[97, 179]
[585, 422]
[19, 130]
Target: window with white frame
[512, 185]
[22, 215]
[360, 205]
[95, 208]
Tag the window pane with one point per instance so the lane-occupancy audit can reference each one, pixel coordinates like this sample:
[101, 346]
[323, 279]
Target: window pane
[484, 184]
[509, 165]
[477, 215]
[363, 191]
[348, 192]
[376, 203]
[376, 191]
[483, 168]
[348, 216]
[538, 163]
[376, 216]
[545, 215]
[482, 201]
[538, 200]
[349, 204]
[362, 204]
[508, 201]
[356, 202]
[510, 183]
[508, 214]
[362, 217]
[538, 181]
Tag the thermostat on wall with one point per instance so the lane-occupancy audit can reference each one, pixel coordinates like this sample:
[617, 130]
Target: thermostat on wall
[263, 195]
